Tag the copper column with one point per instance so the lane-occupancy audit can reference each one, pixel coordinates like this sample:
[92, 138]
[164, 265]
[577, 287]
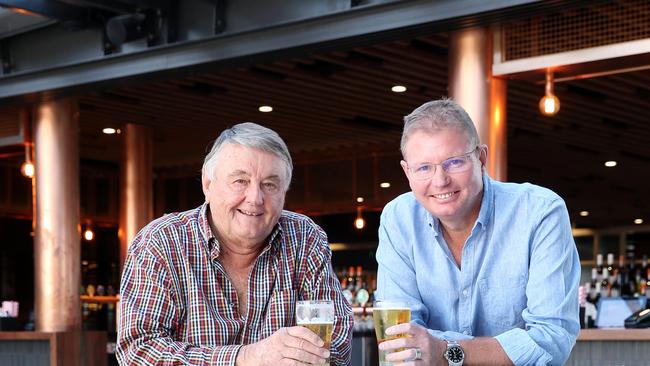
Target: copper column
[136, 201]
[56, 235]
[484, 98]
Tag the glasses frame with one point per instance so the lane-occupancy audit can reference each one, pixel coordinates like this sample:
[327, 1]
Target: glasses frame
[435, 166]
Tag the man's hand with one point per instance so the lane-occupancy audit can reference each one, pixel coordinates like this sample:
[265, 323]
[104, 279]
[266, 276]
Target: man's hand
[431, 349]
[287, 346]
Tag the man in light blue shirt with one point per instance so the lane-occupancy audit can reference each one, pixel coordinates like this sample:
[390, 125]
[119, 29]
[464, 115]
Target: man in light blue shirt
[490, 269]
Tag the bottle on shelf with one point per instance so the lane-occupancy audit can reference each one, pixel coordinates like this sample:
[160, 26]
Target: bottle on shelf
[359, 278]
[593, 291]
[610, 263]
[599, 265]
[604, 284]
[622, 278]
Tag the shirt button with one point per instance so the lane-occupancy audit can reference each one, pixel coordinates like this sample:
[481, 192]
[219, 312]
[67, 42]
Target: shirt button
[466, 332]
[465, 292]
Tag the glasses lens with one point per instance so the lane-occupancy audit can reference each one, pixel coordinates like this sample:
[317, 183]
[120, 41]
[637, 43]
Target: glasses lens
[456, 165]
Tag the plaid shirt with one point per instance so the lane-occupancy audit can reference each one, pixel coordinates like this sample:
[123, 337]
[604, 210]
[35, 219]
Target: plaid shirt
[178, 306]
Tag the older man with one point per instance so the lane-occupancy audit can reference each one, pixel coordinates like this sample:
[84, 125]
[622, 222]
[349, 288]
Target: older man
[490, 269]
[217, 285]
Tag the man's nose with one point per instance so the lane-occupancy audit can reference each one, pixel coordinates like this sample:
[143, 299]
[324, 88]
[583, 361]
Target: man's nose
[254, 194]
[440, 177]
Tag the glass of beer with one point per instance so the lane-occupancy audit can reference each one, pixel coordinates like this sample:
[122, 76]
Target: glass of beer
[386, 314]
[317, 316]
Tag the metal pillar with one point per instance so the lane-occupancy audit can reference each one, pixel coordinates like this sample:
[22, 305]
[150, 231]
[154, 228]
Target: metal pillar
[484, 98]
[57, 231]
[136, 200]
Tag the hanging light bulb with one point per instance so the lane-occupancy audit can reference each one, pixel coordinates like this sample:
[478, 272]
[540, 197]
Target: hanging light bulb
[27, 168]
[359, 222]
[549, 105]
[89, 234]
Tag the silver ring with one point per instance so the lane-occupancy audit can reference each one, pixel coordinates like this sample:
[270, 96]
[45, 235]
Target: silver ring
[418, 354]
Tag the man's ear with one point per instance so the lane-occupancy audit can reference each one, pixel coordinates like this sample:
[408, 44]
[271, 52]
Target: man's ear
[405, 167]
[483, 154]
[205, 185]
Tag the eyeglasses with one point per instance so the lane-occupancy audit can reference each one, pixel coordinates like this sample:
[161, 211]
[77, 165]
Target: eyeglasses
[453, 165]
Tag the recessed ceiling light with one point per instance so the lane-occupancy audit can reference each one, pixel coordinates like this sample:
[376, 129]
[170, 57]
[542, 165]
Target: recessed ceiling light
[638, 221]
[360, 199]
[398, 89]
[265, 108]
[584, 213]
[610, 163]
[384, 185]
[109, 130]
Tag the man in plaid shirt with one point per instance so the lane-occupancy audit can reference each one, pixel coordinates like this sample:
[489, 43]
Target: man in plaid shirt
[217, 285]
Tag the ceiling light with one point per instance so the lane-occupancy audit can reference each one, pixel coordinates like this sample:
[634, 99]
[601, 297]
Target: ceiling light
[265, 108]
[384, 185]
[610, 163]
[360, 199]
[110, 130]
[584, 213]
[549, 105]
[398, 89]
[638, 221]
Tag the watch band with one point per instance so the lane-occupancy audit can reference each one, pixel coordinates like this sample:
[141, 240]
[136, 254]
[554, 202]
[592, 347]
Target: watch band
[454, 354]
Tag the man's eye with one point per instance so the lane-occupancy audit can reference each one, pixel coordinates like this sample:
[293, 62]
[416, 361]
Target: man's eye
[456, 162]
[423, 168]
[269, 187]
[240, 182]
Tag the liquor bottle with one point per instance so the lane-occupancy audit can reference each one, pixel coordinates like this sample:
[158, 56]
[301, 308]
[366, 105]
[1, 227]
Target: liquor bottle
[599, 265]
[615, 284]
[610, 263]
[371, 290]
[647, 285]
[359, 279]
[351, 276]
[351, 286]
[604, 284]
[632, 272]
[591, 289]
[622, 278]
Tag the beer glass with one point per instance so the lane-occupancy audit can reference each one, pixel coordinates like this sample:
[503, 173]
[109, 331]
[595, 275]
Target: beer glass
[386, 314]
[317, 316]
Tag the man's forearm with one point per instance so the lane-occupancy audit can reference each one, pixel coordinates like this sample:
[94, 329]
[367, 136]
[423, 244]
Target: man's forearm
[484, 351]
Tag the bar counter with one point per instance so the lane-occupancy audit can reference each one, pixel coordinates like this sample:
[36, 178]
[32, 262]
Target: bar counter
[611, 346]
[26, 348]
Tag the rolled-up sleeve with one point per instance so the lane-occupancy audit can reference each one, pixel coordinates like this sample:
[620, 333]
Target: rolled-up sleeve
[551, 316]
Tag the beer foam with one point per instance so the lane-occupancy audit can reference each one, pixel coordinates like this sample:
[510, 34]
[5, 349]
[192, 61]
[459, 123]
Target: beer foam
[392, 308]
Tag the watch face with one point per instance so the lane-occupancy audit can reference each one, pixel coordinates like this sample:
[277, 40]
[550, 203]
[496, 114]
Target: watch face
[455, 354]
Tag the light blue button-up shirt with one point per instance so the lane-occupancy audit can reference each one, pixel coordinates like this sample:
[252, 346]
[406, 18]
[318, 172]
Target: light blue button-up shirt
[518, 279]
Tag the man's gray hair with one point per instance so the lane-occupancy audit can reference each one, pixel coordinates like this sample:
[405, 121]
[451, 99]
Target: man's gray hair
[250, 135]
[438, 115]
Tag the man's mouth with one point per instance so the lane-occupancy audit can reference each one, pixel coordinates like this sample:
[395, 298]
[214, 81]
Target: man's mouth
[249, 213]
[445, 196]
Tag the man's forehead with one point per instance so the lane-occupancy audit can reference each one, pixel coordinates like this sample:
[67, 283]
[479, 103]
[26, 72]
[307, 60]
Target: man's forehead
[460, 141]
[235, 159]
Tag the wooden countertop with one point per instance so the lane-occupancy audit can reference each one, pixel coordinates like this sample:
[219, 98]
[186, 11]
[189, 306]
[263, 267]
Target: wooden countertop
[27, 335]
[614, 334]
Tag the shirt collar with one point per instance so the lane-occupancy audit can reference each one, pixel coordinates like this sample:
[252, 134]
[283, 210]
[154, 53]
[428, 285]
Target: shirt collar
[483, 215]
[487, 202]
[275, 239]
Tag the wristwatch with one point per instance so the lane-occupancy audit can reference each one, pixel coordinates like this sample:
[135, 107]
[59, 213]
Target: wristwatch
[454, 354]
